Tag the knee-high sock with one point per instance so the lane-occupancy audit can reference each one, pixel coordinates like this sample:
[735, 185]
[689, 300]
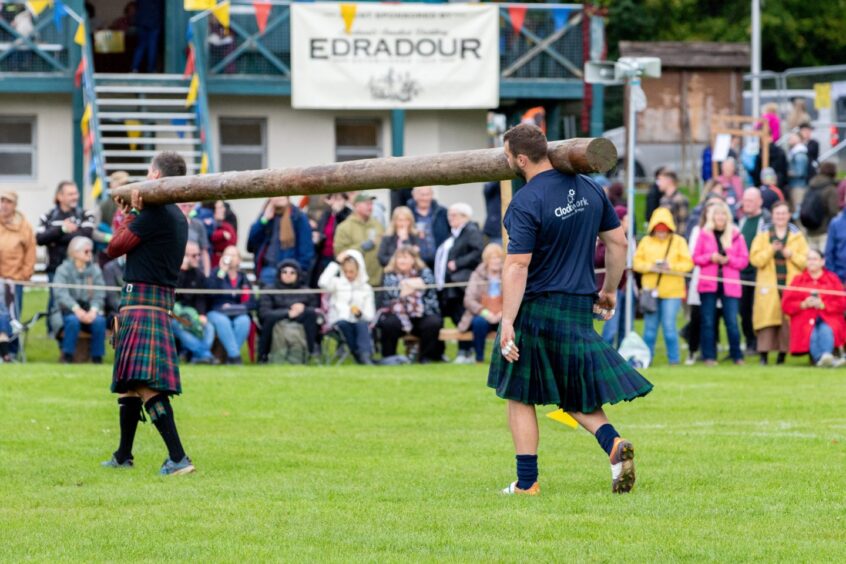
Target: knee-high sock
[129, 411]
[161, 413]
[527, 470]
[605, 436]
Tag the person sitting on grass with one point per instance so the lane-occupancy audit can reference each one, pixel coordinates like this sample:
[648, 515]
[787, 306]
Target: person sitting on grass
[816, 318]
[229, 313]
[351, 302]
[483, 299]
[409, 307]
[292, 307]
[79, 309]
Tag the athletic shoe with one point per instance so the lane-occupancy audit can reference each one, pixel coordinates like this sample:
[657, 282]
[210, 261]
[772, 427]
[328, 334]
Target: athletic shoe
[691, 360]
[171, 468]
[512, 489]
[826, 360]
[113, 463]
[622, 466]
[838, 362]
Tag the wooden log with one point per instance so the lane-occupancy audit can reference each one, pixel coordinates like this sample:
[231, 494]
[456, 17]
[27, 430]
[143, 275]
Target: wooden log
[581, 155]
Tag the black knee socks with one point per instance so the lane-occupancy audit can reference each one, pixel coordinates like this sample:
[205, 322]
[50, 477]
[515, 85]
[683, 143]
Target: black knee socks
[605, 436]
[161, 413]
[527, 470]
[129, 412]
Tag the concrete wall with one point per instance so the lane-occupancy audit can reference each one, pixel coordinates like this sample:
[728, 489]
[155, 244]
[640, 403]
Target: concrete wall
[303, 137]
[54, 149]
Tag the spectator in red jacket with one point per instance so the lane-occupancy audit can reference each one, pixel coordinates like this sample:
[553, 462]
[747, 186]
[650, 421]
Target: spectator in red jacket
[223, 233]
[816, 317]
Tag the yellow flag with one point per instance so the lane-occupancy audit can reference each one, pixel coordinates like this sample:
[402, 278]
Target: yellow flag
[192, 91]
[204, 164]
[348, 13]
[97, 188]
[38, 6]
[221, 12]
[563, 417]
[86, 119]
[79, 37]
[822, 96]
[197, 5]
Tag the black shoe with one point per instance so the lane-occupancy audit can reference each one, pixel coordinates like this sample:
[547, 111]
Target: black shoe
[234, 360]
[97, 359]
[66, 358]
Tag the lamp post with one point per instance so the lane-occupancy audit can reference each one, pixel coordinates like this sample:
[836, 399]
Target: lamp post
[628, 71]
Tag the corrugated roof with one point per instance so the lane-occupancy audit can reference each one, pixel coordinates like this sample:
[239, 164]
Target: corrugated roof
[690, 54]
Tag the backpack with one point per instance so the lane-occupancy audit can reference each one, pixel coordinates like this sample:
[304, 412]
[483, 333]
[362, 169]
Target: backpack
[812, 212]
[289, 344]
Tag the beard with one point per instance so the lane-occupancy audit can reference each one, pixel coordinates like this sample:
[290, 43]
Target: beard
[518, 171]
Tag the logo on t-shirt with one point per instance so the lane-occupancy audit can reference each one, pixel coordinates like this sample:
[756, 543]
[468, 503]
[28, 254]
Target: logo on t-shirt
[573, 206]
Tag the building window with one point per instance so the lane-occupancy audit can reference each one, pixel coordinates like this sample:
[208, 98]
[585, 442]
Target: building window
[17, 147]
[243, 144]
[357, 139]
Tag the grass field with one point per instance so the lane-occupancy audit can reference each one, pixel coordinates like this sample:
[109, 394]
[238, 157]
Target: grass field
[357, 464]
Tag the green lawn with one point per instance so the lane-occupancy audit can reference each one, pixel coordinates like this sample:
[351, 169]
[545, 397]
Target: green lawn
[398, 464]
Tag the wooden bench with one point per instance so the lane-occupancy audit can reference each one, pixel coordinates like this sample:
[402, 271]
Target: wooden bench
[456, 335]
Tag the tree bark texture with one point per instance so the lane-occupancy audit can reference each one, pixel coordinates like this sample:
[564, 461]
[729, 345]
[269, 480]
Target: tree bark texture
[580, 155]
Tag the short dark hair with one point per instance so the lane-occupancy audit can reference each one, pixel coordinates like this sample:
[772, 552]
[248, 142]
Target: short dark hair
[828, 168]
[669, 174]
[780, 203]
[527, 139]
[170, 163]
[60, 187]
[805, 125]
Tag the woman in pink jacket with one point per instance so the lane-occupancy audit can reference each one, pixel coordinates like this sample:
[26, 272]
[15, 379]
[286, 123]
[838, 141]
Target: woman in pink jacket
[721, 254]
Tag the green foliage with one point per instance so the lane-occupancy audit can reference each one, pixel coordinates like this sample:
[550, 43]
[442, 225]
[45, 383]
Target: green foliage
[794, 33]
[404, 464]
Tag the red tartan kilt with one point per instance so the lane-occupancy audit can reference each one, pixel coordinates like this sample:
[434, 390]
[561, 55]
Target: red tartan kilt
[145, 352]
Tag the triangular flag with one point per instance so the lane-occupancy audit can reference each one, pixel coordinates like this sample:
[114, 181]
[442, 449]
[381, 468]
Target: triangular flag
[348, 13]
[517, 15]
[189, 33]
[77, 75]
[79, 36]
[204, 164]
[97, 188]
[190, 62]
[86, 119]
[87, 143]
[92, 166]
[180, 134]
[38, 6]
[560, 17]
[563, 417]
[262, 13]
[221, 12]
[58, 13]
[191, 99]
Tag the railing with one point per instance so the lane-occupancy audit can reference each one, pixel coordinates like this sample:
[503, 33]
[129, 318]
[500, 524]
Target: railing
[547, 46]
[36, 44]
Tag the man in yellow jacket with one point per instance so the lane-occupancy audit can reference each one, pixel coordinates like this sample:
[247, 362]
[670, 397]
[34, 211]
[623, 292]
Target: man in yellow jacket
[662, 257]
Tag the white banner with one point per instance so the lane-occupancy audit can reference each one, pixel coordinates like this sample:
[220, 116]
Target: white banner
[384, 56]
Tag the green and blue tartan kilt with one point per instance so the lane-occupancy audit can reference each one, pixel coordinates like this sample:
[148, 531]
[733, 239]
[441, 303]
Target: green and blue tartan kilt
[145, 349]
[563, 361]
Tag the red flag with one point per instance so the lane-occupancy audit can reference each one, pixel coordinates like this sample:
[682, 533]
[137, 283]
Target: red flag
[517, 15]
[189, 63]
[262, 13]
[87, 143]
[77, 76]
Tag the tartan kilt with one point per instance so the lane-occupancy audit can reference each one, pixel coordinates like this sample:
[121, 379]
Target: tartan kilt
[145, 349]
[563, 361]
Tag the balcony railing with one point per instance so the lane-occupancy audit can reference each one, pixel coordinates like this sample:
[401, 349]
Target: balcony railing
[35, 44]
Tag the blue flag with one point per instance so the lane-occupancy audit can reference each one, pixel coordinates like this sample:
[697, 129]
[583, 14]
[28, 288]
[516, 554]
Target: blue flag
[560, 17]
[58, 14]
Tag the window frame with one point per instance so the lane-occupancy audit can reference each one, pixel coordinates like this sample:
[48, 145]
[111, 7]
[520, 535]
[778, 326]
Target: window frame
[19, 148]
[358, 152]
[260, 150]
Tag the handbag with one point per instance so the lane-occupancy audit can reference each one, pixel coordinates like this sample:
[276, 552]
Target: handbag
[648, 300]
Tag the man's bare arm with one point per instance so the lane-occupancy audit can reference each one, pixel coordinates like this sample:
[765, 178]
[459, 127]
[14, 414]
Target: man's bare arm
[515, 272]
[616, 248]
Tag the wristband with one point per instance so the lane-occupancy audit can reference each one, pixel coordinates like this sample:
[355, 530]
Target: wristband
[263, 220]
[485, 312]
[134, 211]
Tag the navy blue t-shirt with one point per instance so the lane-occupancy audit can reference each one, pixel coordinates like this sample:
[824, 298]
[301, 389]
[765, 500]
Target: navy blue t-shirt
[557, 218]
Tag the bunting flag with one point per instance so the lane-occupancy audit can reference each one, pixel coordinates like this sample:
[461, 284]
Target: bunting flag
[86, 120]
[80, 70]
[517, 15]
[97, 188]
[38, 6]
[221, 12]
[132, 132]
[560, 17]
[59, 13]
[198, 5]
[92, 165]
[179, 121]
[204, 164]
[348, 14]
[80, 35]
[190, 62]
[192, 91]
[189, 33]
[262, 13]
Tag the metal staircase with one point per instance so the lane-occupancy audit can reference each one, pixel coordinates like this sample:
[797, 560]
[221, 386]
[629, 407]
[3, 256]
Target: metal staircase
[140, 115]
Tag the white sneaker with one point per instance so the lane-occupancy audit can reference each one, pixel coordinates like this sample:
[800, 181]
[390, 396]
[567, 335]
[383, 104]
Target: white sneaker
[838, 362]
[826, 360]
[691, 360]
[463, 359]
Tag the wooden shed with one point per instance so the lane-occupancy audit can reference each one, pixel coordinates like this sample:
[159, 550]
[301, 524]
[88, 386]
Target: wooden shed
[698, 79]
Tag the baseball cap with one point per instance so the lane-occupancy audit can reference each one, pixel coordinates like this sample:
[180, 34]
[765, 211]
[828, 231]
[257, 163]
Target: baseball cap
[363, 197]
[11, 196]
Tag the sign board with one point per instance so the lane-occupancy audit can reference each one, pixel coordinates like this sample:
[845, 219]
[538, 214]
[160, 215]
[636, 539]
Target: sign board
[389, 56]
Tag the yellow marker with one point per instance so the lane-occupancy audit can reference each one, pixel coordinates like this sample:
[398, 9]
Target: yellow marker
[563, 417]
